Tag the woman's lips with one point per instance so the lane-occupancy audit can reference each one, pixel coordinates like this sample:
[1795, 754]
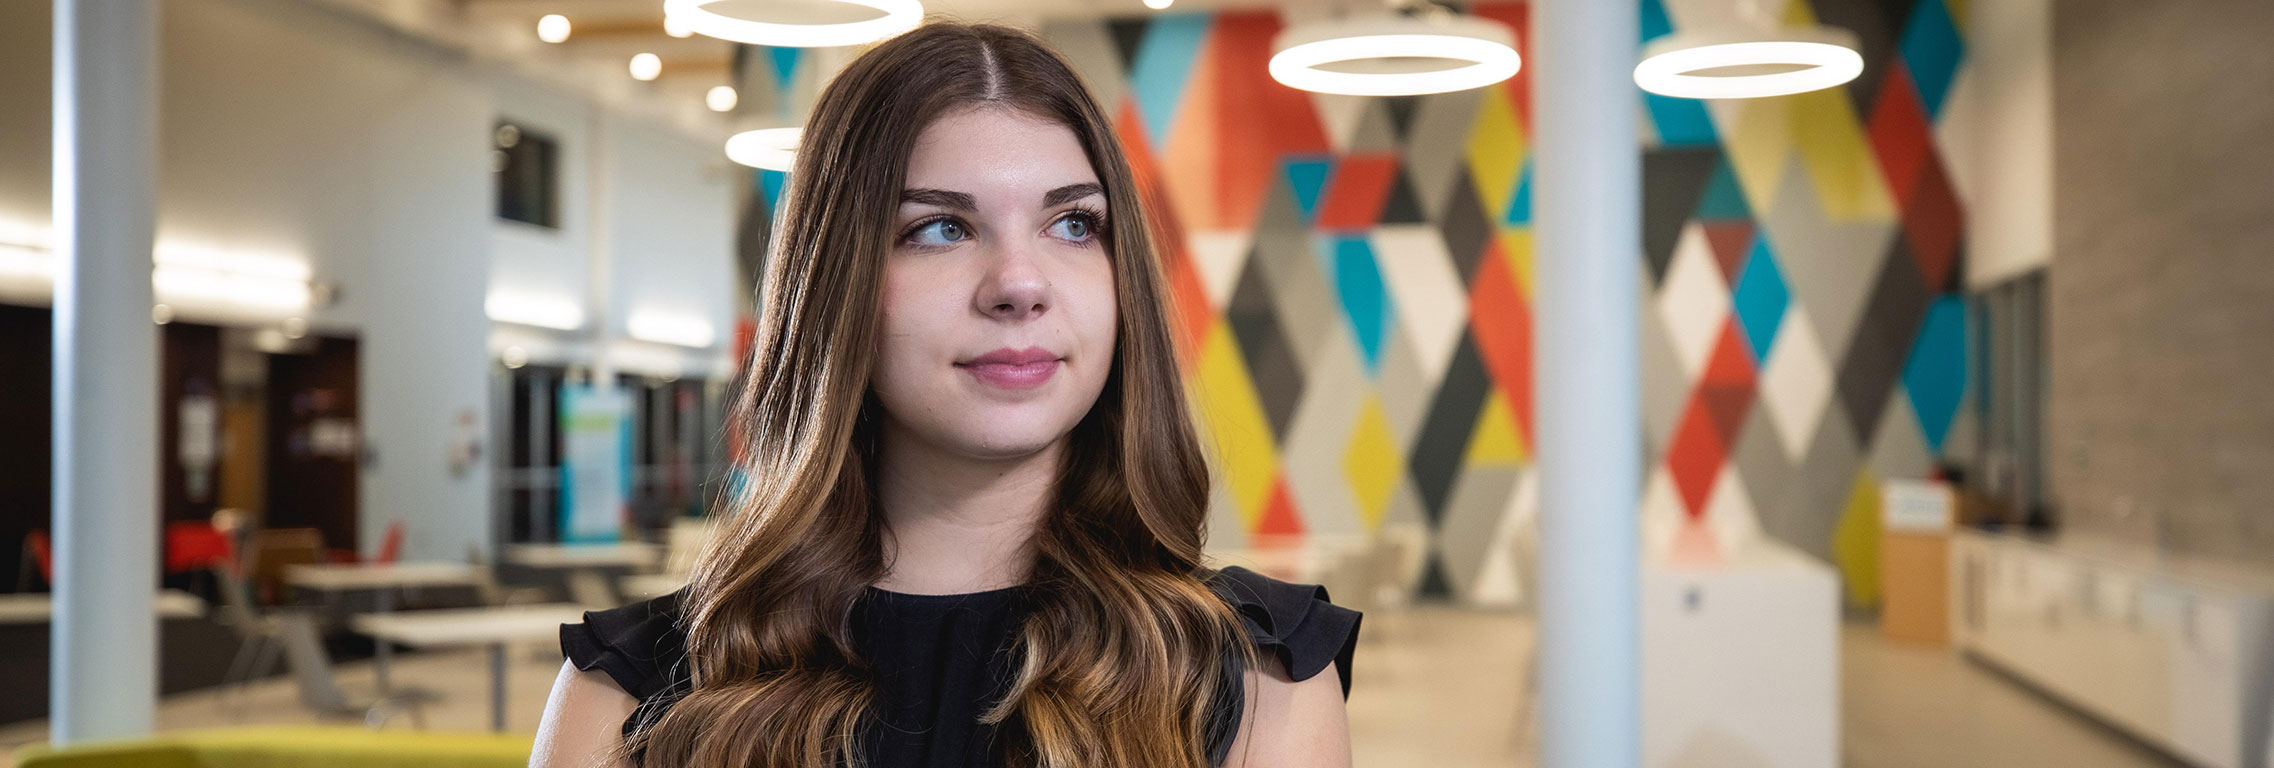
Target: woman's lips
[1013, 368]
[1012, 375]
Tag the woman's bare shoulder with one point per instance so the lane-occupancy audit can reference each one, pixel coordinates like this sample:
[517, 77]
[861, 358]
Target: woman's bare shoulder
[583, 721]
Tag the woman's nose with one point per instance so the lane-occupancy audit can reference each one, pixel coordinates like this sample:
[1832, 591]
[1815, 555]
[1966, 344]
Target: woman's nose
[1015, 287]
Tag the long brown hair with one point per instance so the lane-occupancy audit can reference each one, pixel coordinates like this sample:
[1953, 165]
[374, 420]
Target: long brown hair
[1123, 651]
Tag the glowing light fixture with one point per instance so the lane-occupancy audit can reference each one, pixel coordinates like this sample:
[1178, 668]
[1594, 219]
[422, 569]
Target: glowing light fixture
[183, 274]
[538, 311]
[774, 149]
[1738, 62]
[721, 98]
[899, 16]
[1393, 54]
[1158, 4]
[554, 28]
[646, 66]
[674, 27]
[670, 329]
[187, 284]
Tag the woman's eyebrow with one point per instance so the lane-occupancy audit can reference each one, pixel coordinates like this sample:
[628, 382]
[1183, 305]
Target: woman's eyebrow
[1070, 193]
[940, 197]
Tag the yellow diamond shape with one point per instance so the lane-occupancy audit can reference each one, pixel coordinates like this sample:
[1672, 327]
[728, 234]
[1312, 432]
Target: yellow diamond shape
[1855, 543]
[1496, 151]
[1840, 162]
[1372, 463]
[1496, 441]
[1233, 417]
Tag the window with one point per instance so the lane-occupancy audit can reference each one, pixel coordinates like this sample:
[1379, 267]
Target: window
[2011, 385]
[527, 167]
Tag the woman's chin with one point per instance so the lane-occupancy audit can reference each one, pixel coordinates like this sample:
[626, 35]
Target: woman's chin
[989, 433]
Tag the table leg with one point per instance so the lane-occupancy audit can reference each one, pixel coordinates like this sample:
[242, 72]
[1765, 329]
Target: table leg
[497, 687]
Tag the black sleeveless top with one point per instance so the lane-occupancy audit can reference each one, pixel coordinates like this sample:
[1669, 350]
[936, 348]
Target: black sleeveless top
[941, 660]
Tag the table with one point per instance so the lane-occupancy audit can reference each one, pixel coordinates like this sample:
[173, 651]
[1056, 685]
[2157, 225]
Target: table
[629, 554]
[382, 579]
[460, 627]
[39, 607]
[347, 577]
[651, 585]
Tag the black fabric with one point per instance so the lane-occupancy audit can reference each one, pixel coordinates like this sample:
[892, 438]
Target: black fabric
[941, 660]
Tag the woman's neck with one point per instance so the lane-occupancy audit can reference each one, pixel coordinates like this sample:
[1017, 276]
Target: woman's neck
[956, 524]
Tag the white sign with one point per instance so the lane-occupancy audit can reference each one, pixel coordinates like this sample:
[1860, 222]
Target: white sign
[1918, 506]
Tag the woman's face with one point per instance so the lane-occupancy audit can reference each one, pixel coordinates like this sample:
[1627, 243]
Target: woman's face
[998, 304]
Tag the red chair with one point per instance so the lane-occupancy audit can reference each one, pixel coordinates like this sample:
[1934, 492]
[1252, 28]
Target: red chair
[390, 547]
[40, 553]
[196, 546]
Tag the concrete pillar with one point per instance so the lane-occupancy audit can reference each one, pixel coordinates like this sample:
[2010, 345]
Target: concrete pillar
[103, 659]
[1587, 231]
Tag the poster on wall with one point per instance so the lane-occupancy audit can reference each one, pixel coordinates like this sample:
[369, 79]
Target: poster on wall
[595, 457]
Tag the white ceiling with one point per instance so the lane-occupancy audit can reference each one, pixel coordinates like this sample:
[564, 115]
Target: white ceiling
[607, 33]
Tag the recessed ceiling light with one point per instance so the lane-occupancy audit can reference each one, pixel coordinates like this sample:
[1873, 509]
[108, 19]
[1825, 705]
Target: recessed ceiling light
[646, 66]
[553, 28]
[721, 98]
[1158, 4]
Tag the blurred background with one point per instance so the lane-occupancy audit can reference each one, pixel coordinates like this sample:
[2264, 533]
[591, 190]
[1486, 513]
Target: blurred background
[1954, 372]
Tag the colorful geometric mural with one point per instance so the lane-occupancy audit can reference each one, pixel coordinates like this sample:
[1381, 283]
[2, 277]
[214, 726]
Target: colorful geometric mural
[1353, 279]
[1356, 284]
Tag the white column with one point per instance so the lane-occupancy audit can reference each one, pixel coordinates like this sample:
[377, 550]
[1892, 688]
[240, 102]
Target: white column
[605, 329]
[103, 663]
[1587, 191]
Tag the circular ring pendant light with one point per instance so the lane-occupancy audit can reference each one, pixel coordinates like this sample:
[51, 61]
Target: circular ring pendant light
[774, 149]
[695, 16]
[1801, 59]
[1379, 54]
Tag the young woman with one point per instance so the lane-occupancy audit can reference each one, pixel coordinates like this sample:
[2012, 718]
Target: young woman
[973, 535]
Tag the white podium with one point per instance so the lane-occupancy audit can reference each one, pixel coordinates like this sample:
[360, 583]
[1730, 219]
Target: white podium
[1740, 659]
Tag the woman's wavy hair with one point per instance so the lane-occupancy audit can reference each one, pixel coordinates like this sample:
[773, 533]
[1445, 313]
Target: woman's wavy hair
[1122, 656]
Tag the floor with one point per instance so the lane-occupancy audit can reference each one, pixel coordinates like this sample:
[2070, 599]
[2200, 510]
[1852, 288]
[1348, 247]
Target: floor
[1435, 687]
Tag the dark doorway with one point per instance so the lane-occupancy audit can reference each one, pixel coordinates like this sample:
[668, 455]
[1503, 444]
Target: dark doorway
[314, 444]
[26, 376]
[189, 421]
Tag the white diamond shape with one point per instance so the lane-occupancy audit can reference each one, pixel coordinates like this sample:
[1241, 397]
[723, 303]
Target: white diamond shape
[1693, 300]
[1340, 116]
[1505, 578]
[1219, 254]
[1662, 515]
[1796, 386]
[1432, 305]
[1729, 511]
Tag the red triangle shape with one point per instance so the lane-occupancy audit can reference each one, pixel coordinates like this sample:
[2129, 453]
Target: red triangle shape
[1279, 515]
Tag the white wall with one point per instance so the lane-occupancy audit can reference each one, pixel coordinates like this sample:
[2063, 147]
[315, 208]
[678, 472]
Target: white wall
[647, 227]
[532, 263]
[1999, 134]
[670, 235]
[290, 131]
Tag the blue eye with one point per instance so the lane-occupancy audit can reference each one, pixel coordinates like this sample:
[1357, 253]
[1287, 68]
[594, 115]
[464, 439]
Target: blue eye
[1079, 226]
[939, 232]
